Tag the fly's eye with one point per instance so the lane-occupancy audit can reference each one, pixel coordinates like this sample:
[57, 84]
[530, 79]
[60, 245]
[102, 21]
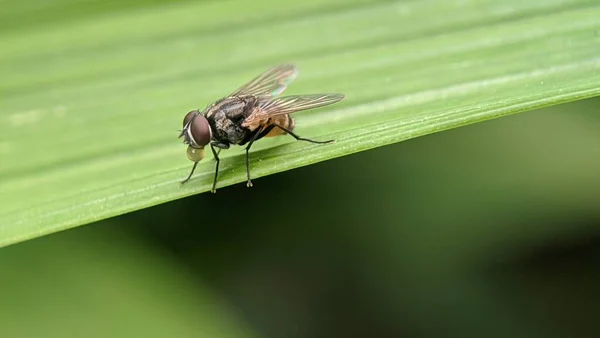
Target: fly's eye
[189, 116]
[200, 130]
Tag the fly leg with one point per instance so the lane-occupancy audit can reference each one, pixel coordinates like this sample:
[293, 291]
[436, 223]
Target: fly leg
[216, 155]
[258, 134]
[298, 138]
[218, 152]
[191, 173]
[264, 131]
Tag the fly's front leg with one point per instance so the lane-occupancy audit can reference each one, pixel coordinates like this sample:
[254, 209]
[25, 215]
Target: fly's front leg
[191, 173]
[216, 155]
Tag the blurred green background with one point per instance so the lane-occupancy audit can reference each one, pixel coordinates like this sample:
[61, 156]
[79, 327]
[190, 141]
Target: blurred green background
[487, 230]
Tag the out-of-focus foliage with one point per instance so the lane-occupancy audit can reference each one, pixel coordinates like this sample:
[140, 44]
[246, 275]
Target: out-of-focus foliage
[106, 284]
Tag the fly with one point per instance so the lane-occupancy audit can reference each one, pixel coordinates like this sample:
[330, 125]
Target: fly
[250, 113]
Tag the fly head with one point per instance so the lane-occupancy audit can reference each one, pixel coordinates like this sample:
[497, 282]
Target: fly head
[196, 134]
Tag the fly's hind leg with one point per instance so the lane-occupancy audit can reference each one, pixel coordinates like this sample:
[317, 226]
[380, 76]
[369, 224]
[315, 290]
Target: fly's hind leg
[298, 138]
[264, 131]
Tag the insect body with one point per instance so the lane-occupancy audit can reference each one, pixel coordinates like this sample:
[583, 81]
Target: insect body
[250, 113]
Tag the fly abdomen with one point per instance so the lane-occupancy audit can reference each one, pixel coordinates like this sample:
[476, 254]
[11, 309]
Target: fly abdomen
[285, 121]
[289, 124]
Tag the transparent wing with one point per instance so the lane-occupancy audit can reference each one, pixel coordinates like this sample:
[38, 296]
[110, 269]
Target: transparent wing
[270, 83]
[290, 104]
[293, 103]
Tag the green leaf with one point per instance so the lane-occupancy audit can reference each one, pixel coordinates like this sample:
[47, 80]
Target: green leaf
[108, 284]
[92, 100]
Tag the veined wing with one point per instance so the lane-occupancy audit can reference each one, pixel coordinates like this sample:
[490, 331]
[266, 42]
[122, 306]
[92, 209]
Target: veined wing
[270, 83]
[290, 104]
[294, 103]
